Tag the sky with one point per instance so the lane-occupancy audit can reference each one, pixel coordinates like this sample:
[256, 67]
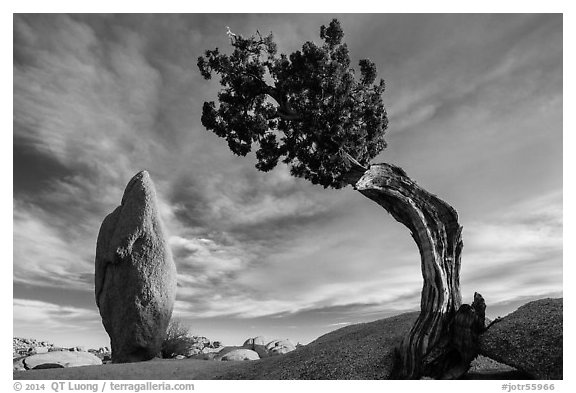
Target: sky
[475, 110]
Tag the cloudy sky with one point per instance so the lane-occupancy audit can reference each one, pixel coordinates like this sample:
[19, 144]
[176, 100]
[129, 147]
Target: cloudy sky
[475, 107]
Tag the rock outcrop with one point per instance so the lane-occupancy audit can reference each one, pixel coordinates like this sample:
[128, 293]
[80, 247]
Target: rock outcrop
[135, 274]
[529, 339]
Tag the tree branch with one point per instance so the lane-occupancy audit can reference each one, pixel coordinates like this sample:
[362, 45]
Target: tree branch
[356, 171]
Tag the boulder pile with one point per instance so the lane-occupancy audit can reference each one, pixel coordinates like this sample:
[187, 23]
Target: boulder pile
[199, 347]
[29, 346]
[253, 349]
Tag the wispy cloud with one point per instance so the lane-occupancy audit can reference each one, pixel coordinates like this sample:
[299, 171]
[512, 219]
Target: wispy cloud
[339, 324]
[69, 99]
[494, 81]
[45, 256]
[53, 316]
[517, 252]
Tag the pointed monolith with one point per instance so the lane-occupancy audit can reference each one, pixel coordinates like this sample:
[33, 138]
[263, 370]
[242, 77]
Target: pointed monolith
[135, 274]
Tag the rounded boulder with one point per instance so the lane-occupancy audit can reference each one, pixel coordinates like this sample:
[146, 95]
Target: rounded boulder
[280, 347]
[64, 359]
[530, 339]
[240, 354]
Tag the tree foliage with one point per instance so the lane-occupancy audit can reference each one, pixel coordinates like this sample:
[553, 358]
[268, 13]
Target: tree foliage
[307, 109]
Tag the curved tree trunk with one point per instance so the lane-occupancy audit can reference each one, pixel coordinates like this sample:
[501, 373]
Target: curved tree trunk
[428, 349]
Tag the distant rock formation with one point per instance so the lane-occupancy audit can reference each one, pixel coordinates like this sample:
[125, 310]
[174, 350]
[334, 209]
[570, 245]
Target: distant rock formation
[29, 346]
[135, 275]
[529, 339]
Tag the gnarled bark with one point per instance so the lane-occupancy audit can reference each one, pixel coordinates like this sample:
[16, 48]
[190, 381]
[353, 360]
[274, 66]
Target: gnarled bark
[435, 229]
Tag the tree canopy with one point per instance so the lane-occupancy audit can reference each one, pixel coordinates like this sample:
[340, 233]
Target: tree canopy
[307, 109]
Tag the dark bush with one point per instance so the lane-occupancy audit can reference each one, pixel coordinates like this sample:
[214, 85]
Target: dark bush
[177, 341]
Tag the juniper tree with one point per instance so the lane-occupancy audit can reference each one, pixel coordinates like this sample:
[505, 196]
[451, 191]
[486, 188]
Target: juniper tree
[314, 112]
[308, 110]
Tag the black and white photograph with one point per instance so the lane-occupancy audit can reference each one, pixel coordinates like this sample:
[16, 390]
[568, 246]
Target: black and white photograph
[288, 196]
